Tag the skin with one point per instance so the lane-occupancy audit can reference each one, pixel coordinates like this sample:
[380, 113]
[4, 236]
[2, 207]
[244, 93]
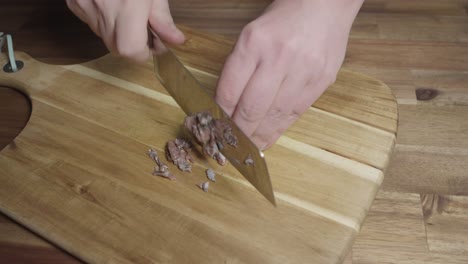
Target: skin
[123, 24]
[282, 62]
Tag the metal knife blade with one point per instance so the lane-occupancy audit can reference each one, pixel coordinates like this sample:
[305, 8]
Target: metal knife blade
[193, 98]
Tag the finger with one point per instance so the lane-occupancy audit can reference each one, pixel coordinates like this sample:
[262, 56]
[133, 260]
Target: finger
[100, 17]
[87, 12]
[162, 23]
[295, 96]
[73, 6]
[267, 134]
[131, 31]
[281, 113]
[236, 73]
[257, 97]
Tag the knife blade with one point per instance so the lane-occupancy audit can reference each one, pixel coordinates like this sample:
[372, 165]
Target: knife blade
[193, 98]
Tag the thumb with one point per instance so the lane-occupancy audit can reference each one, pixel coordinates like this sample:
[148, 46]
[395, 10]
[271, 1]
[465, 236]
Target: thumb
[162, 23]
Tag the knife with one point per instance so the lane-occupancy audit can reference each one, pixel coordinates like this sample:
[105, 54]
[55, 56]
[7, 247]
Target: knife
[193, 98]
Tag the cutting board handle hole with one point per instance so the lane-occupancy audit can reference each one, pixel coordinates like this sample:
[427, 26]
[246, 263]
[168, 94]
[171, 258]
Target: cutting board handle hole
[15, 111]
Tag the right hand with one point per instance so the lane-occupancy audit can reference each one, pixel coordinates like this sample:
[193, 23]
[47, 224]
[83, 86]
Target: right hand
[123, 24]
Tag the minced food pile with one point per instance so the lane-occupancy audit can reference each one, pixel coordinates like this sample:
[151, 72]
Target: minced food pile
[212, 134]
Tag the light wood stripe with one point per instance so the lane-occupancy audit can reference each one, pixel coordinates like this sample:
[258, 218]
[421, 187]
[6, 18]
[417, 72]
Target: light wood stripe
[129, 86]
[354, 122]
[307, 206]
[358, 169]
[329, 214]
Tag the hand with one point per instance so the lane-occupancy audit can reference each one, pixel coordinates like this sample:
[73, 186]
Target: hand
[282, 62]
[123, 24]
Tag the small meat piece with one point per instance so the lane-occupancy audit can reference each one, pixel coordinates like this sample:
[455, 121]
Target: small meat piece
[177, 151]
[204, 186]
[161, 169]
[210, 174]
[224, 132]
[153, 154]
[182, 143]
[249, 161]
[211, 134]
[202, 127]
[220, 158]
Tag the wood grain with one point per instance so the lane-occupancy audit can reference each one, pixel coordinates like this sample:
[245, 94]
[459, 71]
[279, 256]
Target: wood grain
[446, 7]
[81, 172]
[446, 226]
[395, 232]
[431, 155]
[391, 26]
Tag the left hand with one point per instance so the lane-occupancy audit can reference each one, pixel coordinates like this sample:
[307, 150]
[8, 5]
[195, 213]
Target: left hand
[123, 24]
[282, 62]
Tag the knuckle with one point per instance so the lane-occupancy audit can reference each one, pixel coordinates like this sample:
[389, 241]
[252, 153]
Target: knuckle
[251, 113]
[226, 98]
[278, 112]
[296, 113]
[252, 36]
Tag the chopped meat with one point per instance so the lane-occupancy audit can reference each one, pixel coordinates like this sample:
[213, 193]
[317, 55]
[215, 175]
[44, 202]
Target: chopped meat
[182, 143]
[220, 158]
[211, 134]
[177, 151]
[225, 132]
[153, 154]
[161, 169]
[249, 161]
[204, 186]
[211, 175]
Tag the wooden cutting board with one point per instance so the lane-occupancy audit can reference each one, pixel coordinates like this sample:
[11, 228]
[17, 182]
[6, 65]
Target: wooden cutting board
[78, 174]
